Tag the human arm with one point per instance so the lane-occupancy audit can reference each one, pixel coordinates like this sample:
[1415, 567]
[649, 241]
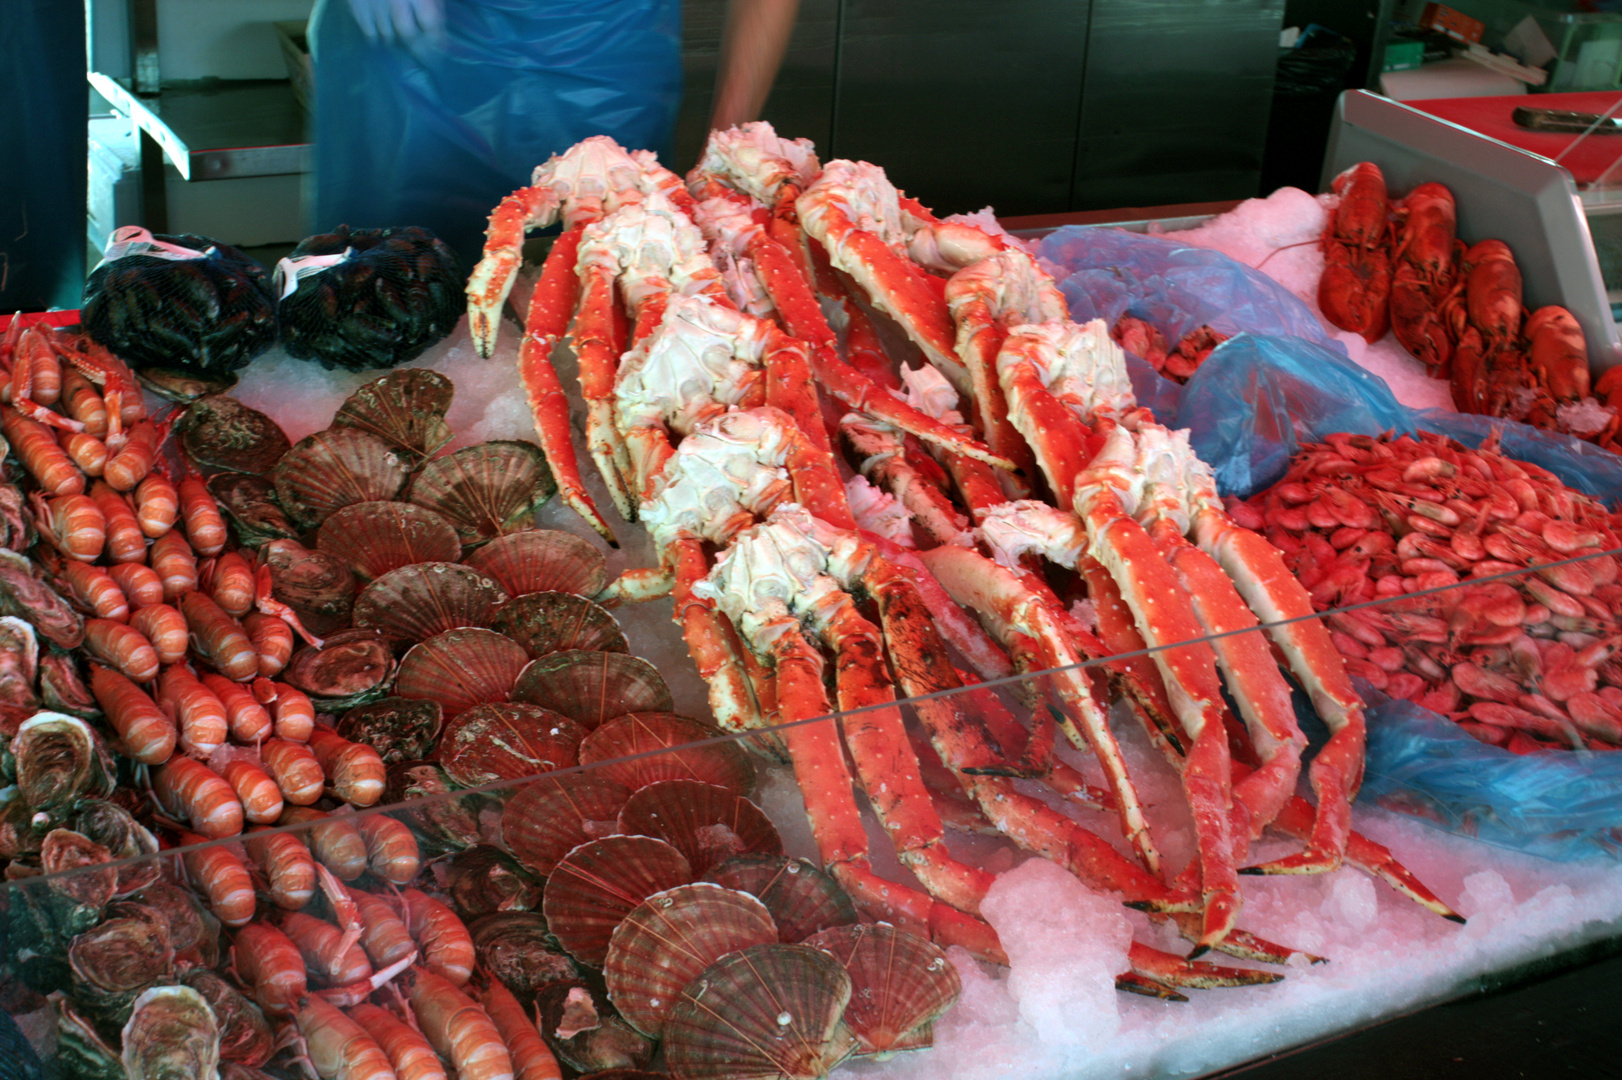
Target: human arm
[752, 47]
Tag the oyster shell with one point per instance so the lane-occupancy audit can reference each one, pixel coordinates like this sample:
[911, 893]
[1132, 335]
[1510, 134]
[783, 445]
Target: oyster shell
[115, 961]
[350, 668]
[219, 432]
[250, 502]
[442, 822]
[115, 829]
[24, 594]
[591, 687]
[802, 899]
[336, 468]
[59, 759]
[706, 823]
[584, 1032]
[376, 537]
[486, 489]
[417, 602]
[398, 728]
[171, 1035]
[597, 884]
[654, 745]
[542, 560]
[245, 1035]
[483, 879]
[901, 984]
[510, 741]
[318, 587]
[669, 939]
[76, 867]
[513, 946]
[406, 409]
[461, 668]
[549, 622]
[554, 815]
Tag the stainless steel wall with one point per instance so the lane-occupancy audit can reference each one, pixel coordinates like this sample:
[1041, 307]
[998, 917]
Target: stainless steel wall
[1035, 106]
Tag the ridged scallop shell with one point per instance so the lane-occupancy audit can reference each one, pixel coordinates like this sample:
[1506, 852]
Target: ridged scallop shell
[417, 602]
[765, 1013]
[507, 742]
[655, 743]
[542, 560]
[333, 469]
[592, 687]
[706, 823]
[461, 668]
[597, 884]
[556, 814]
[376, 537]
[802, 899]
[406, 409]
[486, 489]
[901, 984]
[220, 432]
[549, 622]
[669, 939]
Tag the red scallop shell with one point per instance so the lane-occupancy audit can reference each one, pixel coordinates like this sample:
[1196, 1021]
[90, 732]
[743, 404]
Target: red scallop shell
[486, 489]
[669, 939]
[376, 537]
[461, 668]
[509, 741]
[654, 743]
[597, 884]
[404, 408]
[335, 468]
[591, 687]
[542, 560]
[802, 899]
[768, 1012]
[549, 622]
[556, 814]
[901, 984]
[706, 823]
[417, 602]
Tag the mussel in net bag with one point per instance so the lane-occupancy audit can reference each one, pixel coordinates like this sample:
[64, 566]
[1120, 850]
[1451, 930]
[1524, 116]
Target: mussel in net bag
[179, 302]
[368, 298]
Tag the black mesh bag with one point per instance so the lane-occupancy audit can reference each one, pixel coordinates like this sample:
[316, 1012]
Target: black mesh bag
[182, 301]
[368, 298]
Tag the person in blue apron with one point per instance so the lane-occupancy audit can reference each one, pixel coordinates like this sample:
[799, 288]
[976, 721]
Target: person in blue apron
[428, 112]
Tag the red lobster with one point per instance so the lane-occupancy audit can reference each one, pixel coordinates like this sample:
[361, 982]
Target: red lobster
[1485, 314]
[1427, 263]
[1355, 289]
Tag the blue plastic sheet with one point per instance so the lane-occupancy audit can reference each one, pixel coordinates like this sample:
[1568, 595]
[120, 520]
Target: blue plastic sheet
[434, 133]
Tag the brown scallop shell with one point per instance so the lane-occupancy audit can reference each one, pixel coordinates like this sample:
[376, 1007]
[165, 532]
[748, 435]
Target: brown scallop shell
[542, 560]
[556, 814]
[672, 936]
[318, 587]
[802, 899]
[768, 1012]
[461, 668]
[655, 744]
[706, 823]
[513, 946]
[483, 879]
[220, 432]
[901, 984]
[549, 622]
[398, 728]
[350, 667]
[376, 537]
[333, 469]
[417, 602]
[250, 502]
[597, 884]
[486, 489]
[509, 741]
[404, 408]
[592, 687]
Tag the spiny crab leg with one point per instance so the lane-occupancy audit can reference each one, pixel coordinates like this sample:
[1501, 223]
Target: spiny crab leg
[492, 279]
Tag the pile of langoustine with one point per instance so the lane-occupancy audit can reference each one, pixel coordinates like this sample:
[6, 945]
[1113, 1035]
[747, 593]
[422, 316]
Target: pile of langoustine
[1513, 629]
[1398, 264]
[131, 953]
[716, 392]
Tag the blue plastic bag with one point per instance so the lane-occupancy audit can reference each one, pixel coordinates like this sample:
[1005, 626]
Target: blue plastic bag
[435, 133]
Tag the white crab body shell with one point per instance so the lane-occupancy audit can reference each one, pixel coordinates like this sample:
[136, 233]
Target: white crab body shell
[1078, 363]
[756, 160]
[649, 248]
[726, 473]
[1015, 529]
[700, 359]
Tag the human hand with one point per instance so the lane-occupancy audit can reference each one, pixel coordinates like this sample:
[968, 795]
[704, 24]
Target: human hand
[399, 20]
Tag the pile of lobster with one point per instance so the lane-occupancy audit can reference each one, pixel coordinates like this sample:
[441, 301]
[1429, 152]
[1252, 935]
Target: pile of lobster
[1398, 264]
[814, 500]
[1516, 607]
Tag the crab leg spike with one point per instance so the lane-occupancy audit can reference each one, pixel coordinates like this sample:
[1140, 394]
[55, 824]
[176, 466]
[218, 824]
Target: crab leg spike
[1173, 970]
[550, 309]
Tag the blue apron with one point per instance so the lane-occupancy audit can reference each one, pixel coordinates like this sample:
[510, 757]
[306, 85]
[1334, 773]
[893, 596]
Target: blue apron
[435, 133]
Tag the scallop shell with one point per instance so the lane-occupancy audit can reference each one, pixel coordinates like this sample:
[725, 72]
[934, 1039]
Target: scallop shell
[802, 899]
[592, 687]
[318, 587]
[350, 667]
[901, 984]
[406, 409]
[542, 560]
[765, 1013]
[461, 668]
[488, 743]
[220, 432]
[250, 502]
[672, 936]
[706, 823]
[597, 884]
[554, 815]
[333, 469]
[376, 537]
[486, 489]
[417, 602]
[647, 739]
[397, 728]
[512, 945]
[549, 622]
